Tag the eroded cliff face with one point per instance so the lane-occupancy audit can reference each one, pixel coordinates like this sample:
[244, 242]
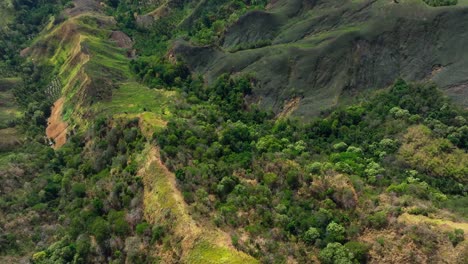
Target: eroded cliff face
[327, 51]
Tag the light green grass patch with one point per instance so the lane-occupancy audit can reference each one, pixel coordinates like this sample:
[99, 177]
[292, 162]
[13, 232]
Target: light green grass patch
[206, 253]
[442, 224]
[132, 99]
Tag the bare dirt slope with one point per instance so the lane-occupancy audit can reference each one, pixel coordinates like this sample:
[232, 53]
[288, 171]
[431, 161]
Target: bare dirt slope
[56, 127]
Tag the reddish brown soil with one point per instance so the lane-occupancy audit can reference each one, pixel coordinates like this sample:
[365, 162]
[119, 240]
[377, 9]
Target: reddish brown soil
[56, 128]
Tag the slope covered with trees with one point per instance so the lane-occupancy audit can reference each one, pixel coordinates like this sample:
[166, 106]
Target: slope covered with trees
[170, 158]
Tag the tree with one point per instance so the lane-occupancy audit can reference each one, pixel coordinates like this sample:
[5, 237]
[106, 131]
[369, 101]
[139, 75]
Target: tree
[336, 253]
[335, 232]
[359, 250]
[100, 229]
[311, 235]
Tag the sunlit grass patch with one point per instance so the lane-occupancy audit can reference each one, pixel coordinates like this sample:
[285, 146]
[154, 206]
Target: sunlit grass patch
[206, 252]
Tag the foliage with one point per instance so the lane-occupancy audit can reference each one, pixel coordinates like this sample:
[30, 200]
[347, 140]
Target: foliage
[457, 236]
[219, 144]
[441, 2]
[311, 235]
[278, 181]
[434, 156]
[336, 253]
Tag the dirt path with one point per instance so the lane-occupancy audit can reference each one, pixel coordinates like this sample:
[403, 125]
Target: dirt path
[56, 128]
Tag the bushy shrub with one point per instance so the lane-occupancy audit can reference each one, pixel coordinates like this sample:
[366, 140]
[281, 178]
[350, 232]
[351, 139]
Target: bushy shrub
[311, 235]
[377, 220]
[336, 253]
[359, 250]
[441, 2]
[335, 232]
[456, 237]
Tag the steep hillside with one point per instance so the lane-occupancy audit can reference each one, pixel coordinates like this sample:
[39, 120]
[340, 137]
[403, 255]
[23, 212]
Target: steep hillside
[328, 51]
[233, 131]
[96, 101]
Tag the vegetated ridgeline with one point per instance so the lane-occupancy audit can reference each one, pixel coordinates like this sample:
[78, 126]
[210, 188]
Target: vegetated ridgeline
[162, 165]
[327, 51]
[73, 51]
[200, 242]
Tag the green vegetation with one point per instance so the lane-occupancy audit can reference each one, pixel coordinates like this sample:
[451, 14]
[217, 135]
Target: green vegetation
[163, 165]
[436, 156]
[205, 252]
[8, 107]
[202, 23]
[218, 145]
[22, 19]
[441, 2]
[133, 98]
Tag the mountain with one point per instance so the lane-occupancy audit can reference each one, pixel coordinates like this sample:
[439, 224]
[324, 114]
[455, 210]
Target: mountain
[233, 131]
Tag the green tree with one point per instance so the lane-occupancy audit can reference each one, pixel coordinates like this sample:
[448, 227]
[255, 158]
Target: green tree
[336, 253]
[335, 232]
[359, 250]
[311, 235]
[100, 229]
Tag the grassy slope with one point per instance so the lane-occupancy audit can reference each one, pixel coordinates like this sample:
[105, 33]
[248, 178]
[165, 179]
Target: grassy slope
[87, 64]
[441, 224]
[82, 56]
[361, 44]
[200, 243]
[132, 99]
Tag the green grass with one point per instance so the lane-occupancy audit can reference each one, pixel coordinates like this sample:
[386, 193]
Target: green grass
[442, 224]
[318, 52]
[207, 253]
[161, 194]
[132, 99]
[5, 159]
[88, 65]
